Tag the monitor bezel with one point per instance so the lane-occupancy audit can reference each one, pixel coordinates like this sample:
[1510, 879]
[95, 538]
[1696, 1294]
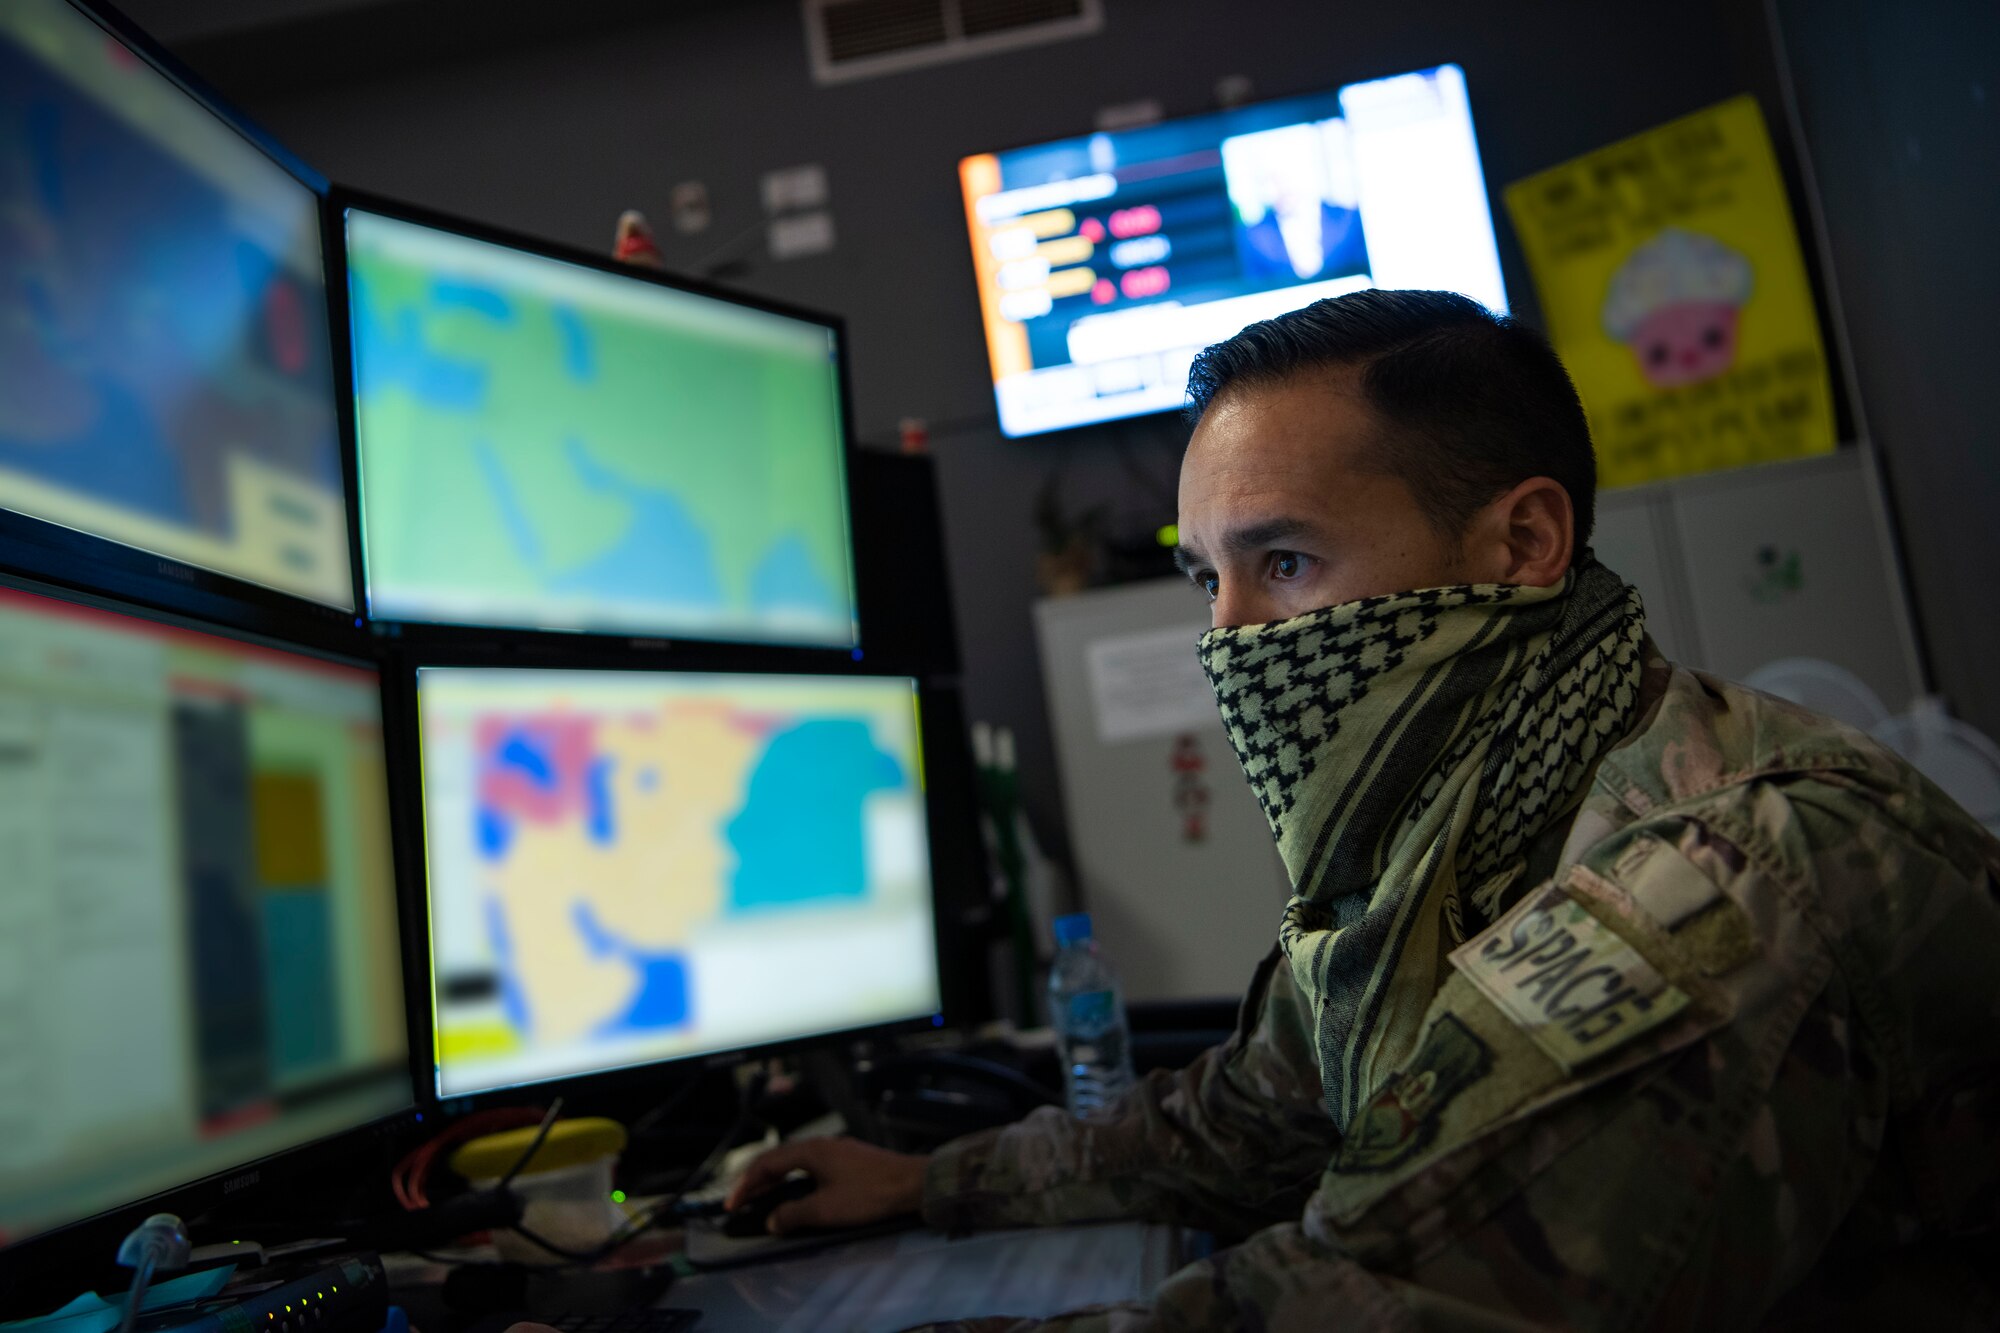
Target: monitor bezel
[1255, 105]
[451, 636]
[649, 1072]
[48, 1266]
[87, 563]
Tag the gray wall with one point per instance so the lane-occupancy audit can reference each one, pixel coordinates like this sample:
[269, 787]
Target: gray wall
[554, 136]
[1900, 106]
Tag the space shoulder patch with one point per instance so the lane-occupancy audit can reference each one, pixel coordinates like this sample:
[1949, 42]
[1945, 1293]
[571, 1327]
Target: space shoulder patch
[1575, 986]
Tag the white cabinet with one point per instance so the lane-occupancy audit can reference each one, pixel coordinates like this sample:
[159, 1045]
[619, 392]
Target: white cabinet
[1178, 916]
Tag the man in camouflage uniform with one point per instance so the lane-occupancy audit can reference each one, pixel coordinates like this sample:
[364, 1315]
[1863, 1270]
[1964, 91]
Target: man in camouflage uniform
[1611, 995]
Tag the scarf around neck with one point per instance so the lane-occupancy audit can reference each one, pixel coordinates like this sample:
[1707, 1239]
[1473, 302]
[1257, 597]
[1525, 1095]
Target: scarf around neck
[1407, 749]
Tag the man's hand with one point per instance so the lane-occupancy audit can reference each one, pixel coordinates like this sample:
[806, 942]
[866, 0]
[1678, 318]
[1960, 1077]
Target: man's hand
[855, 1184]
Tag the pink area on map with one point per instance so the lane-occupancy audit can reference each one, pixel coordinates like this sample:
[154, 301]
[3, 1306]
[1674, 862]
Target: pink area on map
[534, 767]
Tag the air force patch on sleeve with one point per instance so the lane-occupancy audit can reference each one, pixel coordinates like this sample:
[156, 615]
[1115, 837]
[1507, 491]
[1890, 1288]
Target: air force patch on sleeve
[1566, 979]
[1401, 1119]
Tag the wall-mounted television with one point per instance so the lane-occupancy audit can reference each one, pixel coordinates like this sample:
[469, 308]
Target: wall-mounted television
[1107, 262]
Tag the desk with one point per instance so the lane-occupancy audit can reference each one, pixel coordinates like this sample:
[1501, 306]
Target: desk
[915, 1277]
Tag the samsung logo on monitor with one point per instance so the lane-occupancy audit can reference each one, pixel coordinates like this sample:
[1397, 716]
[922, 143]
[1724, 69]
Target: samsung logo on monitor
[241, 1181]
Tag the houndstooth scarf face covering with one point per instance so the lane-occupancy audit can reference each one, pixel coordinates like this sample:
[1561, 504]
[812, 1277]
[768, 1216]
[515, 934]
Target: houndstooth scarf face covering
[1407, 749]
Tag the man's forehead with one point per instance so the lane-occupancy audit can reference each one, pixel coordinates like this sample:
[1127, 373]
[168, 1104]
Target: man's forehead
[1312, 424]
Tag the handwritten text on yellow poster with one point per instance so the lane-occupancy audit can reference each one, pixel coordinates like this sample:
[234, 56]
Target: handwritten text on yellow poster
[1670, 276]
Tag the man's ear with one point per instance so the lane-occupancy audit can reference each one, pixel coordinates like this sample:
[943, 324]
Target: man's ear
[1530, 533]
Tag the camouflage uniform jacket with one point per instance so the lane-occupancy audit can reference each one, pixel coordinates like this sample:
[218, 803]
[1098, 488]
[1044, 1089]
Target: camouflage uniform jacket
[1730, 1060]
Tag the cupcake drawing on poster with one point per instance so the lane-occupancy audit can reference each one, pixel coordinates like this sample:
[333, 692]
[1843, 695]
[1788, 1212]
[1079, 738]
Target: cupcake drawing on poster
[1676, 302]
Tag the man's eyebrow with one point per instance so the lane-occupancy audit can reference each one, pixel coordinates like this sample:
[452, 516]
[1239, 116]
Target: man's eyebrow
[1258, 536]
[1249, 538]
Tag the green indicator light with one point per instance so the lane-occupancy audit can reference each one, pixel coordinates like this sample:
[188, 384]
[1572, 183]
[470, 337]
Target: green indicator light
[1168, 535]
[618, 1196]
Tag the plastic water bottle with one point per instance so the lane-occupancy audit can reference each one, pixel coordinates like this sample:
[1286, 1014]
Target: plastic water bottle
[1088, 1015]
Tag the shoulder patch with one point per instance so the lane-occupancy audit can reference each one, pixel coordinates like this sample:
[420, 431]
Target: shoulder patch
[1566, 979]
[1402, 1118]
[1682, 875]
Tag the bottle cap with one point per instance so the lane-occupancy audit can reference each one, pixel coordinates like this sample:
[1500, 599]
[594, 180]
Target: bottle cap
[1072, 929]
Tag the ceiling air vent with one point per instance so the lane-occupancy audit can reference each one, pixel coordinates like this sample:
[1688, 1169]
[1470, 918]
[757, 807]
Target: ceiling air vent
[858, 39]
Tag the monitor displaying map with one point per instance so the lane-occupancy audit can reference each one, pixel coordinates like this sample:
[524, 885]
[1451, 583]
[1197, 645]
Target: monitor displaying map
[630, 867]
[546, 445]
[165, 375]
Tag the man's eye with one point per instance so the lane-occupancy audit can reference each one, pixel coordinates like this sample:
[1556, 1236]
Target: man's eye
[1287, 564]
[1208, 583]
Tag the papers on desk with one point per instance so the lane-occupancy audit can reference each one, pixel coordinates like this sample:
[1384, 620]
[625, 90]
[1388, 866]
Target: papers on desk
[894, 1282]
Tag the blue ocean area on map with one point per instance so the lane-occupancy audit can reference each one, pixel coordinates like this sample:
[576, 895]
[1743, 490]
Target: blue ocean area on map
[523, 753]
[600, 820]
[661, 540]
[512, 1002]
[800, 836]
[662, 1001]
[494, 832]
[579, 348]
[663, 997]
[786, 579]
[520, 529]
[117, 248]
[397, 355]
[448, 295]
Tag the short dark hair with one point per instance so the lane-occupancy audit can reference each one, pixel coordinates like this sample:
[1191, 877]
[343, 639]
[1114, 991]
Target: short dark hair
[1473, 402]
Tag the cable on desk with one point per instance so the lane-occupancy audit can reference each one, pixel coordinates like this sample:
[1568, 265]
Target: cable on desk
[409, 1176]
[534, 1145]
[645, 1220]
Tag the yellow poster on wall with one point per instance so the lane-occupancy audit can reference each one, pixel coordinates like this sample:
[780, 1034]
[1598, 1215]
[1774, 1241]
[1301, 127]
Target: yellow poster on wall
[1671, 280]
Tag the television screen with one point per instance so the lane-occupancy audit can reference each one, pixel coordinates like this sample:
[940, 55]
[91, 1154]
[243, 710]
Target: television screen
[165, 375]
[1106, 262]
[546, 445]
[199, 956]
[628, 867]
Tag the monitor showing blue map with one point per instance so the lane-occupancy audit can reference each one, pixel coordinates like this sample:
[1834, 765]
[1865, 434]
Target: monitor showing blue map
[546, 445]
[165, 375]
[630, 867]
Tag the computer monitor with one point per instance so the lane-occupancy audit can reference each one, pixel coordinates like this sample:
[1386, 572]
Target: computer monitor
[165, 369]
[552, 443]
[628, 867]
[200, 959]
[1107, 262]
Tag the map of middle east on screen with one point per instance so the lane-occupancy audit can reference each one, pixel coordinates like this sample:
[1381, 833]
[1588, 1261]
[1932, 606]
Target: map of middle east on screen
[629, 867]
[618, 456]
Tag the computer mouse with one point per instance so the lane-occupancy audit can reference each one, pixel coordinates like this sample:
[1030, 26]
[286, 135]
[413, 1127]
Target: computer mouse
[752, 1218]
